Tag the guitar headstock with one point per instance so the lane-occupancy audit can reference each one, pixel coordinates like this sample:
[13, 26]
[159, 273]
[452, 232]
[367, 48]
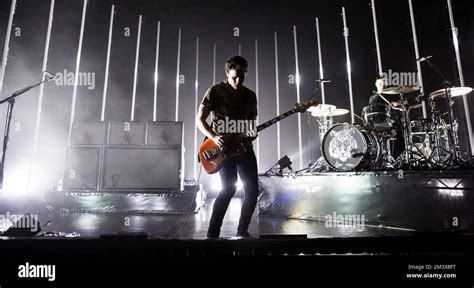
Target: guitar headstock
[302, 107]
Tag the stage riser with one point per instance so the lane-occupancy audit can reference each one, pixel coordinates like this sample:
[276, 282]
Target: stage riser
[413, 201]
[182, 202]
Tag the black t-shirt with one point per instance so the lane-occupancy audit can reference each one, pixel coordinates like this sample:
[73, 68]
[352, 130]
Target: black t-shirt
[375, 99]
[224, 101]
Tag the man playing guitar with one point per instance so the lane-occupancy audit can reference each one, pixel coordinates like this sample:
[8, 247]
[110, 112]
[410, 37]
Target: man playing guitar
[231, 101]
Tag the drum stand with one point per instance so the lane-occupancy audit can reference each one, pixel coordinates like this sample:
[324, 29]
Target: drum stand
[405, 159]
[386, 160]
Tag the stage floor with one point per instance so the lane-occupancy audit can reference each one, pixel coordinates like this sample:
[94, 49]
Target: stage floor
[181, 226]
[317, 205]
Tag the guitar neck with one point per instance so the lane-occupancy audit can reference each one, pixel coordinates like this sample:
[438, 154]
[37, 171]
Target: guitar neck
[275, 120]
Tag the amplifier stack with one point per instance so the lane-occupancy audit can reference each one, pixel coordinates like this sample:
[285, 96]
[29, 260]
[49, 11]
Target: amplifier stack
[124, 156]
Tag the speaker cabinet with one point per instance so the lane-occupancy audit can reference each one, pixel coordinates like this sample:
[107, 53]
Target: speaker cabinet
[82, 168]
[89, 133]
[165, 133]
[127, 133]
[141, 168]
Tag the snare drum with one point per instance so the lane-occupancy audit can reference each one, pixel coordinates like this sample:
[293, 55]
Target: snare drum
[345, 148]
[422, 126]
[378, 117]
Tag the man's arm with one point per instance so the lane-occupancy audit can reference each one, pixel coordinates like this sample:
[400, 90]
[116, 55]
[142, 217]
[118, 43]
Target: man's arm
[203, 126]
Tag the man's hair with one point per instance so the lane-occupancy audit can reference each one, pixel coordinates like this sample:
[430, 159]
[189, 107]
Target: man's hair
[236, 62]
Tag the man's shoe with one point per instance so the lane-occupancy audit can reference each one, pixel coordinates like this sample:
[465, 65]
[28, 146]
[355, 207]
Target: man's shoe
[244, 235]
[213, 236]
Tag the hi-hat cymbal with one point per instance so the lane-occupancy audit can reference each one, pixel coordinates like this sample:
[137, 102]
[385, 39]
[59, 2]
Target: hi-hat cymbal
[400, 89]
[453, 92]
[321, 107]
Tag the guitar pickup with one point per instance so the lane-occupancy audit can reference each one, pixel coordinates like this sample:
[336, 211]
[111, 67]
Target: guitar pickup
[208, 154]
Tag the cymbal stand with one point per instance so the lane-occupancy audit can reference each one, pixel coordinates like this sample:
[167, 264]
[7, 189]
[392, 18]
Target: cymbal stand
[438, 149]
[456, 159]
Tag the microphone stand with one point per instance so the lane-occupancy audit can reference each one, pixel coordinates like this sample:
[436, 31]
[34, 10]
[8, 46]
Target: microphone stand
[11, 104]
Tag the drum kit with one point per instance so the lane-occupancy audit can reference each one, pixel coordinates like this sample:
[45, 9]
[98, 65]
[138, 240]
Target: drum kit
[427, 143]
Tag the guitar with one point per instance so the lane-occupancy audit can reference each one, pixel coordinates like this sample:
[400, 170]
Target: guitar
[212, 157]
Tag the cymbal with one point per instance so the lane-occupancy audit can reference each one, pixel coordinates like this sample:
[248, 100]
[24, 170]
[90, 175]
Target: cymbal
[453, 92]
[321, 107]
[330, 112]
[340, 111]
[400, 89]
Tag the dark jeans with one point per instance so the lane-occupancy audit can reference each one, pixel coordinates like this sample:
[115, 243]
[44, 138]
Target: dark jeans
[246, 166]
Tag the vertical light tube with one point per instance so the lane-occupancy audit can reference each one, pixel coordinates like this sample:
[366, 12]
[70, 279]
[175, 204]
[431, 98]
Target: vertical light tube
[417, 53]
[377, 43]
[107, 64]
[196, 88]
[256, 92]
[135, 74]
[348, 63]
[155, 78]
[76, 75]
[277, 89]
[215, 177]
[177, 76]
[321, 71]
[214, 66]
[31, 169]
[240, 50]
[6, 46]
[298, 99]
[454, 31]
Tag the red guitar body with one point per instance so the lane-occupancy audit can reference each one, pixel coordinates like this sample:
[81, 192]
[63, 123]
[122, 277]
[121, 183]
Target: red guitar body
[213, 157]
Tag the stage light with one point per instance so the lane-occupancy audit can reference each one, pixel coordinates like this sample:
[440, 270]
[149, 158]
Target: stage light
[15, 180]
[216, 184]
[239, 184]
[454, 193]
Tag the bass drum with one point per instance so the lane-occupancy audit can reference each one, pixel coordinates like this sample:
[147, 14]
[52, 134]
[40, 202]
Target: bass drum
[346, 147]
